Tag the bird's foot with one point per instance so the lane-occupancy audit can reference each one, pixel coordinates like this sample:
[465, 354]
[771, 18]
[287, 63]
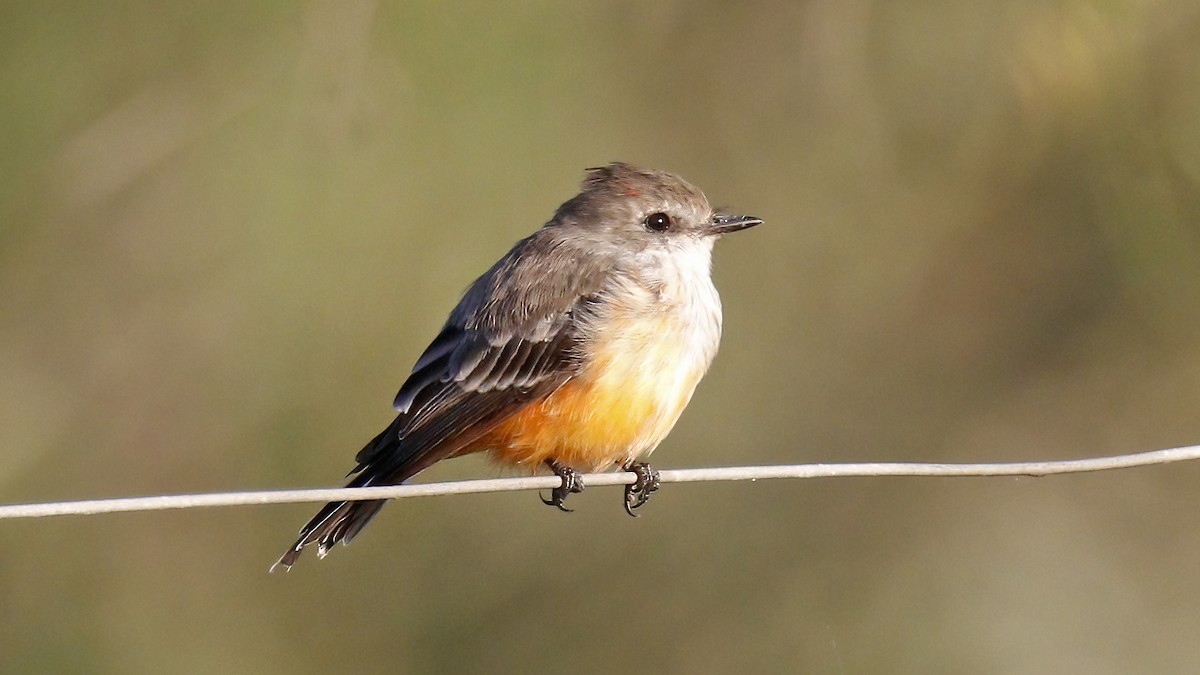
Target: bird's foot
[571, 483]
[638, 493]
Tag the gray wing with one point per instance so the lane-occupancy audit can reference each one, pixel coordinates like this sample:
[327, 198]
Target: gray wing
[517, 335]
[513, 339]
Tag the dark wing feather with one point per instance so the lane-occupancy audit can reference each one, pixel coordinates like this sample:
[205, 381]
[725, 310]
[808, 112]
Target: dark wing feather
[455, 407]
[429, 368]
[462, 394]
[513, 339]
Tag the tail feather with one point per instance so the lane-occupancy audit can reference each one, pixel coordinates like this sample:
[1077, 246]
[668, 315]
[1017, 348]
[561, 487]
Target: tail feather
[337, 521]
[341, 521]
[380, 462]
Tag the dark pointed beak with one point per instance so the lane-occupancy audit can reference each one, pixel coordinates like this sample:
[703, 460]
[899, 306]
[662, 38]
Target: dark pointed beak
[723, 224]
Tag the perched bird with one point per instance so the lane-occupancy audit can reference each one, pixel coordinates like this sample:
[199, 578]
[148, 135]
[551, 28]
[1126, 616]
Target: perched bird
[577, 351]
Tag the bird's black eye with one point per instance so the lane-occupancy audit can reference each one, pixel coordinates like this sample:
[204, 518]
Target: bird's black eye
[657, 222]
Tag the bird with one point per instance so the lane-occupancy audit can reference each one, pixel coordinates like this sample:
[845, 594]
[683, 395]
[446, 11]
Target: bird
[577, 351]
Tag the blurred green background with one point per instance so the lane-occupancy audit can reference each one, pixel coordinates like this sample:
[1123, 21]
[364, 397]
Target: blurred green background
[227, 230]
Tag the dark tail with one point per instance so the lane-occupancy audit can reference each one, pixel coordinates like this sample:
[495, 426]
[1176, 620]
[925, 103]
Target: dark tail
[340, 521]
[337, 521]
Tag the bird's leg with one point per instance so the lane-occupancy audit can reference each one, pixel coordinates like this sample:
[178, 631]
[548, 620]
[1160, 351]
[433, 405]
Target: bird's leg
[571, 483]
[638, 493]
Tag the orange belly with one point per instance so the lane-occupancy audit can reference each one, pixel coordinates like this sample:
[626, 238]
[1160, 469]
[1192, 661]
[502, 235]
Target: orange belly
[622, 406]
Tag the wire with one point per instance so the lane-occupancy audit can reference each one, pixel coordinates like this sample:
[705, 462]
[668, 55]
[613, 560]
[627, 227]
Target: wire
[751, 473]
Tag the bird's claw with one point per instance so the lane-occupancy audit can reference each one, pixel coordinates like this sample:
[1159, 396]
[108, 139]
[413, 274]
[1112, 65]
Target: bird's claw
[638, 493]
[571, 483]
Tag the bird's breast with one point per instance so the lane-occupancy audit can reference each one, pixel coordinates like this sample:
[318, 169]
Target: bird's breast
[645, 350]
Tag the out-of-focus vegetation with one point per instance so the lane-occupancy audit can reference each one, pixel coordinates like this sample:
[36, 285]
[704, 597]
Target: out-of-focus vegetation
[227, 229]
